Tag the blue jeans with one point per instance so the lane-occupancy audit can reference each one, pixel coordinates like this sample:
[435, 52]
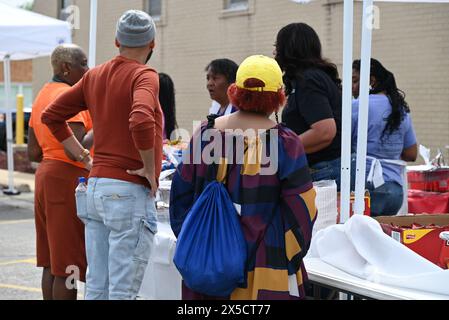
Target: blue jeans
[386, 200]
[120, 220]
[327, 170]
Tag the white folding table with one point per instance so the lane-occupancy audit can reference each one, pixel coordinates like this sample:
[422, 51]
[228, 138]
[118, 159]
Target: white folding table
[164, 281]
[325, 275]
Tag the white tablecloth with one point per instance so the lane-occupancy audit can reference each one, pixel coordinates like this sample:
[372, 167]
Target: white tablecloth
[362, 249]
[162, 280]
[322, 273]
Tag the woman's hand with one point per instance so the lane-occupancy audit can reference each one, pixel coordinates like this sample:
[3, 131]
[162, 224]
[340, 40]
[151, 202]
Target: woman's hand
[88, 163]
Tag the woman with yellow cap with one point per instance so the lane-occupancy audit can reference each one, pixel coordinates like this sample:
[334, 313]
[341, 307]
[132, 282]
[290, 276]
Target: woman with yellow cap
[267, 178]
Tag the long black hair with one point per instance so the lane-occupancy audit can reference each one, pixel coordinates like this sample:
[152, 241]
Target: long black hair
[168, 103]
[298, 48]
[385, 82]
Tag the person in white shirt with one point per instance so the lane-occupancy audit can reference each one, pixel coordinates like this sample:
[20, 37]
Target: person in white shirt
[221, 73]
[217, 109]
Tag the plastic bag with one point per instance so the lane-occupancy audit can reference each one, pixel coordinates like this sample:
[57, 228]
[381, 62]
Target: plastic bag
[211, 250]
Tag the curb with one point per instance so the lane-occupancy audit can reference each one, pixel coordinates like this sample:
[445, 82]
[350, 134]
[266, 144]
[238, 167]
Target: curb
[18, 202]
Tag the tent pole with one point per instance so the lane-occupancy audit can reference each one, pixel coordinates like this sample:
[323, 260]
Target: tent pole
[9, 131]
[348, 36]
[93, 33]
[362, 134]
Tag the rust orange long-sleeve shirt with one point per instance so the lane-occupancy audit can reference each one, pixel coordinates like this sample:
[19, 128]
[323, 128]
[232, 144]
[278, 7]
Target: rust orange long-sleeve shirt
[122, 97]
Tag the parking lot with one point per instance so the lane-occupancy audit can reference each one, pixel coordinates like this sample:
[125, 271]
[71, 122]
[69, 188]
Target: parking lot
[19, 277]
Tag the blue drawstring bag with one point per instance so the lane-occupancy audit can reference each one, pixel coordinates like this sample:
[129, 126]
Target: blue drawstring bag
[211, 249]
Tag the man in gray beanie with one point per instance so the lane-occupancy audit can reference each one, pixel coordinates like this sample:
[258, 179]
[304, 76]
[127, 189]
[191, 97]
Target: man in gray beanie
[135, 29]
[118, 209]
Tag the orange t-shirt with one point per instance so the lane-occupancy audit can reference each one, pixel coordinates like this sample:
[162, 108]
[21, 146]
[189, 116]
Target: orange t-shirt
[52, 149]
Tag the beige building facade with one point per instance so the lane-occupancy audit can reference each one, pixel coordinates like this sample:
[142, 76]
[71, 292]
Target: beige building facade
[412, 41]
[21, 71]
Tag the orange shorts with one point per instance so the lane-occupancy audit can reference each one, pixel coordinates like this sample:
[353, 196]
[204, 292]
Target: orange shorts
[59, 233]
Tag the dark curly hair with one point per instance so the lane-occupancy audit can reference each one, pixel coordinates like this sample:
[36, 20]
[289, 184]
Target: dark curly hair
[298, 48]
[385, 82]
[226, 67]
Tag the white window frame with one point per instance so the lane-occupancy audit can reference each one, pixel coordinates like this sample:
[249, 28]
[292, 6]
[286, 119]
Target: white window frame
[236, 6]
[61, 9]
[160, 20]
[237, 10]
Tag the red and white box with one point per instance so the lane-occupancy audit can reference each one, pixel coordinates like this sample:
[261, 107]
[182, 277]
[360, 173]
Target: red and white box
[420, 233]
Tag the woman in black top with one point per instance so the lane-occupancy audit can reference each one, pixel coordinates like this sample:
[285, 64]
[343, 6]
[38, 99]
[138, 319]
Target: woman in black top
[313, 110]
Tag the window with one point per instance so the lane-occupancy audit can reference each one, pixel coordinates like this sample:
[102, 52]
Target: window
[63, 5]
[233, 8]
[154, 9]
[236, 5]
[24, 88]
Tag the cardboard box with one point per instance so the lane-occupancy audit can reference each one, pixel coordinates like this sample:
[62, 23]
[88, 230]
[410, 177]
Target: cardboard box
[367, 199]
[420, 233]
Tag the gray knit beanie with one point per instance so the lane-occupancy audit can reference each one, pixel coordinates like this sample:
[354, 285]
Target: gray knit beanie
[135, 28]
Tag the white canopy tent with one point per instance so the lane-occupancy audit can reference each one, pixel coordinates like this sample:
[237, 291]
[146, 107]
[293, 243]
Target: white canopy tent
[25, 35]
[348, 31]
[348, 36]
[93, 33]
[364, 100]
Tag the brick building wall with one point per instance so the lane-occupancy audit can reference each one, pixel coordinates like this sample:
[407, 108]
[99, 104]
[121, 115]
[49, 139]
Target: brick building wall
[21, 71]
[21, 78]
[413, 42]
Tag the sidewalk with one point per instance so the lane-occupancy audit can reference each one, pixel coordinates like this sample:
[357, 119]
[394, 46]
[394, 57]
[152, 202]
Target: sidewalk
[21, 180]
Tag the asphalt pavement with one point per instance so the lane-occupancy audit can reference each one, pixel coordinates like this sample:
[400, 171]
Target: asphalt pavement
[20, 279]
[19, 276]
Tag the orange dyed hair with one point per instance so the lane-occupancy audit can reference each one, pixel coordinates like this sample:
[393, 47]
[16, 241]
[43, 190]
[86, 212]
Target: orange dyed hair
[256, 101]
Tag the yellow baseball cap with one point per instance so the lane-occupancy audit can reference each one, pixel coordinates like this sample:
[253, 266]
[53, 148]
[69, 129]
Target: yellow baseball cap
[262, 68]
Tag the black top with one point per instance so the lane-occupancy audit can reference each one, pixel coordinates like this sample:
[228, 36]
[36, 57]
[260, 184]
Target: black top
[315, 97]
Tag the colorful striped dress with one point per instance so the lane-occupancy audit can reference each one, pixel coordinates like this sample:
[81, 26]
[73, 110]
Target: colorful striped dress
[277, 210]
